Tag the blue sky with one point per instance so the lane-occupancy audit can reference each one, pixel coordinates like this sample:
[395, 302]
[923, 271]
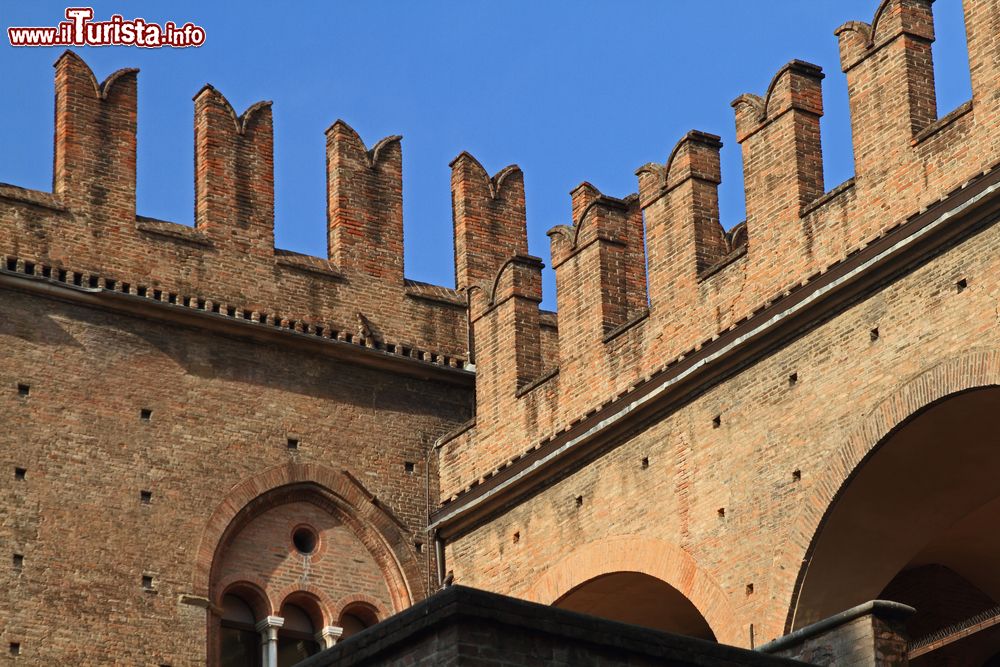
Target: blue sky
[569, 90]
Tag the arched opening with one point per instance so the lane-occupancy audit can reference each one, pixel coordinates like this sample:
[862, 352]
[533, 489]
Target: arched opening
[639, 599]
[298, 535]
[356, 617]
[239, 639]
[297, 636]
[918, 522]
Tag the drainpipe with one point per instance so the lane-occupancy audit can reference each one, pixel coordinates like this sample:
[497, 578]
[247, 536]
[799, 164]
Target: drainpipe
[439, 552]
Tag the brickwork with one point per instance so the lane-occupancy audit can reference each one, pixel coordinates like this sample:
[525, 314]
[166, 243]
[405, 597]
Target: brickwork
[870, 635]
[87, 231]
[214, 454]
[461, 626]
[703, 282]
[768, 430]
[178, 400]
[720, 491]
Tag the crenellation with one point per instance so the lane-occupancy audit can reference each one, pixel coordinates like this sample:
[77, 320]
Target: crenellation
[365, 205]
[982, 31]
[490, 222]
[641, 280]
[890, 81]
[234, 174]
[88, 227]
[782, 169]
[702, 280]
[684, 236]
[95, 141]
[698, 412]
[598, 271]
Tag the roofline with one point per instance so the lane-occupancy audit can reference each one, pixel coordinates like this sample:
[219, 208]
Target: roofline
[132, 304]
[957, 215]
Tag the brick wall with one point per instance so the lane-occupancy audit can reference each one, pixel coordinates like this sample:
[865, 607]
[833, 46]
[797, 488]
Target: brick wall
[721, 490]
[222, 410]
[463, 626]
[701, 281]
[87, 231]
[235, 347]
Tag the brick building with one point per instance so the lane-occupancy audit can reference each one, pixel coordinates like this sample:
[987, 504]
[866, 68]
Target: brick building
[220, 452]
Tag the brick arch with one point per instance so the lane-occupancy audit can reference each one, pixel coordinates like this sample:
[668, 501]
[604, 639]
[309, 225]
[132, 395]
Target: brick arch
[359, 598]
[657, 558]
[322, 602]
[319, 484]
[974, 370]
[251, 590]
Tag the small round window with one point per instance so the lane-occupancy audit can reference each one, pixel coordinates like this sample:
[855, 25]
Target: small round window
[305, 539]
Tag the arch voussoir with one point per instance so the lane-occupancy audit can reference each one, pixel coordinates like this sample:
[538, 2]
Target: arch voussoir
[374, 527]
[654, 557]
[974, 370]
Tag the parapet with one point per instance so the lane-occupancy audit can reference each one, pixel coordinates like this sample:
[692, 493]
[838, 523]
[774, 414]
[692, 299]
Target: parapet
[635, 302]
[643, 281]
[86, 234]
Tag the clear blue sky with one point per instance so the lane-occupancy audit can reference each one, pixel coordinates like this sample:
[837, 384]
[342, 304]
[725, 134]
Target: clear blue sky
[569, 90]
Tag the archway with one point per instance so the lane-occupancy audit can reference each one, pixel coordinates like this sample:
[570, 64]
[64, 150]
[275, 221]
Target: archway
[303, 537]
[297, 638]
[243, 607]
[918, 521]
[638, 599]
[356, 617]
[590, 570]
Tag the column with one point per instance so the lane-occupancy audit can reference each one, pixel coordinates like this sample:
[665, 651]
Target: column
[329, 635]
[268, 629]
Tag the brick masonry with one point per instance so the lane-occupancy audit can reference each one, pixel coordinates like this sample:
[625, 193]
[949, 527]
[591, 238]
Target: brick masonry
[772, 452]
[215, 444]
[460, 626]
[235, 348]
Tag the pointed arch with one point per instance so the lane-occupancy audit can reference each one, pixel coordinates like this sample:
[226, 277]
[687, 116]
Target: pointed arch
[381, 533]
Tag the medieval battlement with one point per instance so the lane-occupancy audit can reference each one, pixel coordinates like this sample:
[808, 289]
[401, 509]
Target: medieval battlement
[619, 327]
[86, 235]
[643, 281]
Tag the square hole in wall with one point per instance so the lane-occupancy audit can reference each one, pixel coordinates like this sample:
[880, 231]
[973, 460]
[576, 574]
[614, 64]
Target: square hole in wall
[645, 462]
[145, 414]
[409, 466]
[18, 562]
[23, 390]
[20, 473]
[961, 285]
[873, 334]
[15, 648]
[145, 497]
[147, 582]
[293, 443]
[716, 421]
[793, 379]
[796, 475]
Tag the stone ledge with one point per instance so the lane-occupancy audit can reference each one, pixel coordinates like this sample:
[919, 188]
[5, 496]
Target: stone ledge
[457, 618]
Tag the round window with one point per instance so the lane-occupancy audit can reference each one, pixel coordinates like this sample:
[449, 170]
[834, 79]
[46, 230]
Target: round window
[305, 539]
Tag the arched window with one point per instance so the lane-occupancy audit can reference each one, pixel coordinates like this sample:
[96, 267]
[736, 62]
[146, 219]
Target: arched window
[239, 638]
[297, 637]
[355, 618]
